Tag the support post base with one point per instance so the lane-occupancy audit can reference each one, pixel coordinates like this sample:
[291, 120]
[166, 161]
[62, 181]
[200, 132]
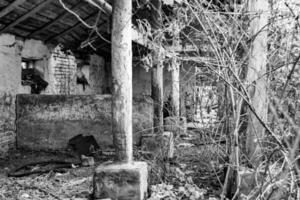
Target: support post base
[126, 181]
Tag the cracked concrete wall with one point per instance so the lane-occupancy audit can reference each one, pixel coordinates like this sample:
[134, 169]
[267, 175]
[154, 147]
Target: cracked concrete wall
[10, 81]
[12, 50]
[141, 82]
[49, 121]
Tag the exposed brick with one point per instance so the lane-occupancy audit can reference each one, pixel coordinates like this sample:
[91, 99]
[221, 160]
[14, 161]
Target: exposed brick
[62, 72]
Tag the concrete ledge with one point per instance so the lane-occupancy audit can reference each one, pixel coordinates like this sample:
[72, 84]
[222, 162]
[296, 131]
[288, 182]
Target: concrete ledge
[126, 181]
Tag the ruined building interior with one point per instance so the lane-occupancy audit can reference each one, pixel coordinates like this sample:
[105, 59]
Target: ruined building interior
[56, 78]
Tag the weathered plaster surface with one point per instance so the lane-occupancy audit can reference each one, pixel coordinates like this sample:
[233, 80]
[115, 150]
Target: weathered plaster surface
[34, 49]
[97, 74]
[11, 52]
[141, 82]
[49, 121]
[10, 80]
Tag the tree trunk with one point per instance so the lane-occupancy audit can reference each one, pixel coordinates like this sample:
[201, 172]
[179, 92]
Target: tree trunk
[257, 83]
[122, 79]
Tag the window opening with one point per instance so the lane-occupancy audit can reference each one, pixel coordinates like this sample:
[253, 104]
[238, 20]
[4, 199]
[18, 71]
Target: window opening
[30, 76]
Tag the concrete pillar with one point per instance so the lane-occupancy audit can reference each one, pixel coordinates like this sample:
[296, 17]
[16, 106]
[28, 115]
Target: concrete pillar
[122, 80]
[157, 96]
[123, 179]
[175, 92]
[157, 71]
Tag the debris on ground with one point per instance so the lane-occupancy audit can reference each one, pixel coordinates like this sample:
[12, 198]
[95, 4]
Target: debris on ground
[194, 173]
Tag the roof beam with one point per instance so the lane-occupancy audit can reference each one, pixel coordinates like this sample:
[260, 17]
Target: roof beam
[59, 17]
[25, 16]
[66, 31]
[102, 5]
[11, 7]
[107, 8]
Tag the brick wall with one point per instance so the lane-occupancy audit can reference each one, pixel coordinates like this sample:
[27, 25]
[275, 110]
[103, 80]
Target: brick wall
[62, 70]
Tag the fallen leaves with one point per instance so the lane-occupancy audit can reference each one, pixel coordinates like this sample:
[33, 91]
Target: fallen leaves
[188, 191]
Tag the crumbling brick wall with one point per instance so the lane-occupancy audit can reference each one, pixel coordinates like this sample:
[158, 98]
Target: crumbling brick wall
[62, 70]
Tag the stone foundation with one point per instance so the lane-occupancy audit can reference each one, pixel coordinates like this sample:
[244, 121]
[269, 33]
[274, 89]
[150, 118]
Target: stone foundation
[116, 181]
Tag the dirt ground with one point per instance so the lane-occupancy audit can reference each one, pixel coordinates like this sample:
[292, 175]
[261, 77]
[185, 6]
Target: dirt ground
[196, 169]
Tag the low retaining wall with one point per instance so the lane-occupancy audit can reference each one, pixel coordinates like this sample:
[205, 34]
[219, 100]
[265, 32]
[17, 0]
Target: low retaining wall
[48, 121]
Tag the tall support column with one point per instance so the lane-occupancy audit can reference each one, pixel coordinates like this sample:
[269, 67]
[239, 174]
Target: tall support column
[157, 96]
[122, 79]
[123, 179]
[175, 73]
[258, 83]
[157, 72]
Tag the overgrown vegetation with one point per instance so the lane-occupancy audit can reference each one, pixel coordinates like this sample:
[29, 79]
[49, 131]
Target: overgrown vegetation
[257, 105]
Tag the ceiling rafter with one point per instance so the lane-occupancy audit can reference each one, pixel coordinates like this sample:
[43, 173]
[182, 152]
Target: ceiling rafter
[59, 17]
[66, 31]
[25, 16]
[104, 5]
[11, 7]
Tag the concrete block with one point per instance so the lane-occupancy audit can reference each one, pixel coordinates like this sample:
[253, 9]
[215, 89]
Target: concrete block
[121, 181]
[168, 144]
[159, 144]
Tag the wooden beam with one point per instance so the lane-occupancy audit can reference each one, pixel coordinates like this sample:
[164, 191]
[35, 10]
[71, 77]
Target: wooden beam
[95, 38]
[122, 80]
[102, 5]
[59, 17]
[27, 15]
[11, 7]
[107, 8]
[51, 38]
